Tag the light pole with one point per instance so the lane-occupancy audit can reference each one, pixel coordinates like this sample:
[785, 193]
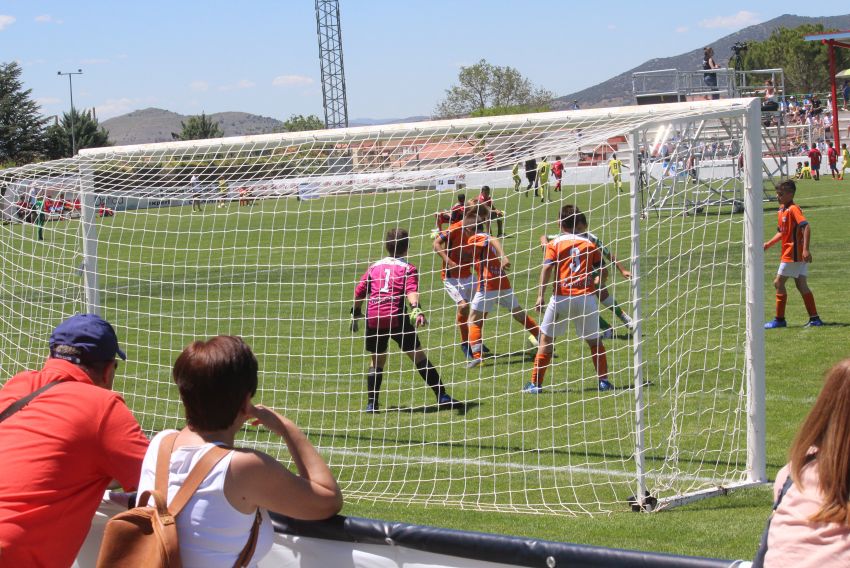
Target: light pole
[70, 74]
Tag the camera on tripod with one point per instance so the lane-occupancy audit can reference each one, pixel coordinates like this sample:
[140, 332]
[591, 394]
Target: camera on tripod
[739, 46]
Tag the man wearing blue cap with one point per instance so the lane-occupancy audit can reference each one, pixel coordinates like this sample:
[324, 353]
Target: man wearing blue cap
[64, 436]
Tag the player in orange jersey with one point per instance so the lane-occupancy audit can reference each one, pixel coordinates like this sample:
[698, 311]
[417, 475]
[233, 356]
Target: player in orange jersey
[484, 198]
[794, 232]
[492, 285]
[574, 259]
[450, 246]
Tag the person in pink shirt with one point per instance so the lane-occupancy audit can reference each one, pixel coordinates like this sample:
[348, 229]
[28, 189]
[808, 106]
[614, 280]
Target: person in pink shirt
[384, 286]
[811, 525]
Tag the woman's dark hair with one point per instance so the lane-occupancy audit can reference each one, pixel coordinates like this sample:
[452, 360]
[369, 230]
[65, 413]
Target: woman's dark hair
[213, 378]
[397, 242]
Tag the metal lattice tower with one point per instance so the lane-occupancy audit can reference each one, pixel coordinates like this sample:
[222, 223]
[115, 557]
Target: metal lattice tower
[330, 57]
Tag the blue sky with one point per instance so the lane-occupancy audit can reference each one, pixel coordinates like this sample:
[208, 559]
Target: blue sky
[261, 56]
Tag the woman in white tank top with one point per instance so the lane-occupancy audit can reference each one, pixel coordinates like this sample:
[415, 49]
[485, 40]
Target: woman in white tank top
[217, 380]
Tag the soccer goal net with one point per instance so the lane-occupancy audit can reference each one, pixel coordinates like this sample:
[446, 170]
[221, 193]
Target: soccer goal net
[266, 237]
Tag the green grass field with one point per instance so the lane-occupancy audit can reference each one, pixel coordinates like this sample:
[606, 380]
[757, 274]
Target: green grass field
[282, 273]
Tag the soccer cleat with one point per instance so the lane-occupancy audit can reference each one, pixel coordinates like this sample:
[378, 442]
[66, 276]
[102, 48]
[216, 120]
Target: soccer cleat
[775, 323]
[532, 341]
[472, 363]
[604, 385]
[447, 402]
[371, 408]
[608, 333]
[631, 326]
[814, 322]
[485, 351]
[531, 388]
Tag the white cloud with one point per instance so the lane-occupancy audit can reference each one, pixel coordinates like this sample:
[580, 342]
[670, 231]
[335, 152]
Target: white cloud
[681, 29]
[199, 86]
[740, 20]
[47, 19]
[292, 81]
[239, 85]
[6, 21]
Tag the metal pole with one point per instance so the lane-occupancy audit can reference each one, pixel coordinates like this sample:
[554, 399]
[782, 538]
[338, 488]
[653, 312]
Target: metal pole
[71, 89]
[836, 134]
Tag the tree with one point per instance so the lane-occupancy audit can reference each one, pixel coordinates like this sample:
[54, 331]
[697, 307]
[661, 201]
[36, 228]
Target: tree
[21, 123]
[88, 133]
[806, 63]
[485, 86]
[300, 123]
[198, 128]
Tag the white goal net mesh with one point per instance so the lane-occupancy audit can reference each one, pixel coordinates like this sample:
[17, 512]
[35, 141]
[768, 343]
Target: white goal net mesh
[266, 237]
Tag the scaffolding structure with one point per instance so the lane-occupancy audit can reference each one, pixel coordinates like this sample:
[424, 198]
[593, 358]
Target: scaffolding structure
[330, 59]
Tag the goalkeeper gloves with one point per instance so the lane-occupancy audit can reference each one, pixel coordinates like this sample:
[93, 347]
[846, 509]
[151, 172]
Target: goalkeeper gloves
[417, 313]
[355, 315]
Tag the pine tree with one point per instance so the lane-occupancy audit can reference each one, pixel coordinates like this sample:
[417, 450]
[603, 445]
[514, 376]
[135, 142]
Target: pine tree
[87, 132]
[21, 123]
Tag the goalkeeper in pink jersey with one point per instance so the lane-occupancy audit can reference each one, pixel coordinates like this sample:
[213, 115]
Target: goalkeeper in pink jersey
[384, 286]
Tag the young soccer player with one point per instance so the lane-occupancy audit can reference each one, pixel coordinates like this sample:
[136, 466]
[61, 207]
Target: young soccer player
[832, 158]
[492, 285]
[815, 157]
[573, 259]
[557, 171]
[615, 168]
[453, 215]
[845, 160]
[515, 176]
[806, 172]
[798, 173]
[485, 199]
[450, 246]
[531, 175]
[794, 233]
[386, 284]
[543, 171]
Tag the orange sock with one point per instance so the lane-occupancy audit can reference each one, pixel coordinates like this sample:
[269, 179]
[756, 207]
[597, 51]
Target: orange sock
[464, 327]
[781, 299]
[531, 325]
[809, 300]
[541, 363]
[600, 361]
[475, 340]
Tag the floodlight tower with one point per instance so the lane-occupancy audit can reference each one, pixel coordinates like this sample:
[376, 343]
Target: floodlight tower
[330, 58]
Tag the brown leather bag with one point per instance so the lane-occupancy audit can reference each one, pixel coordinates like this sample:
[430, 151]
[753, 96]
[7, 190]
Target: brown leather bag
[147, 536]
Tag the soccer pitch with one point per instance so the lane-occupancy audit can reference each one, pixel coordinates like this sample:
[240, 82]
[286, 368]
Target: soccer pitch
[281, 274]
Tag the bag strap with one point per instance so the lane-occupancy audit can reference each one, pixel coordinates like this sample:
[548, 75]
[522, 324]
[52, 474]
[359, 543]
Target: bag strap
[20, 403]
[163, 460]
[196, 477]
[758, 561]
[248, 551]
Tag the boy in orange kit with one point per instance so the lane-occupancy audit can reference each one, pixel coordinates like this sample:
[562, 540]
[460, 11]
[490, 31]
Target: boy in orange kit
[794, 232]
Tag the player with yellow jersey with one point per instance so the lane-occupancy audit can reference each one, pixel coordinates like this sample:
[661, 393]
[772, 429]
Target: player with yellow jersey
[845, 160]
[615, 169]
[515, 175]
[544, 168]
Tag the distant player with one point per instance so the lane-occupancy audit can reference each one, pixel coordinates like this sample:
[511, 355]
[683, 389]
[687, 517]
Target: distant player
[845, 160]
[815, 157]
[798, 173]
[40, 215]
[806, 172]
[572, 259]
[385, 285]
[492, 285]
[543, 171]
[515, 176]
[794, 233]
[557, 171]
[453, 215]
[531, 175]
[832, 158]
[222, 193]
[485, 199]
[457, 278]
[615, 170]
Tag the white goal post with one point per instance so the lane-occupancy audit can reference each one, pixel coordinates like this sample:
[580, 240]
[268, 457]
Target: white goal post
[266, 236]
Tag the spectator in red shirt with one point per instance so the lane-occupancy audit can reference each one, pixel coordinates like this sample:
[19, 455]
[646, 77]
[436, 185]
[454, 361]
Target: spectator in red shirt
[65, 447]
[815, 158]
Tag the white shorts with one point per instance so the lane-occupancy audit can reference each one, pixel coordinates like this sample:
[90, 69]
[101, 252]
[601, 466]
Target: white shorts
[460, 289]
[793, 269]
[485, 301]
[583, 311]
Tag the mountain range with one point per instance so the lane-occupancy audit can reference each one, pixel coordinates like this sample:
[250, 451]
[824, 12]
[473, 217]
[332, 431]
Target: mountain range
[156, 125]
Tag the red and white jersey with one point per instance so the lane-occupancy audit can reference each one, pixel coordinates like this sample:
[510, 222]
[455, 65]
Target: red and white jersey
[488, 266]
[458, 251]
[557, 169]
[385, 285]
[575, 257]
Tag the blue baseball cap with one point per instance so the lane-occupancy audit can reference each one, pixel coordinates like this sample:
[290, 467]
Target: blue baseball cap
[91, 335]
